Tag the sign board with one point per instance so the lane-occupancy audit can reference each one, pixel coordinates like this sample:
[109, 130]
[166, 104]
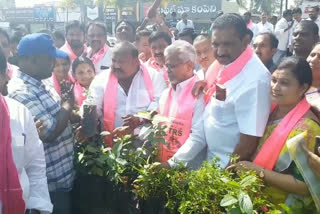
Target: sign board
[111, 14]
[93, 13]
[46, 14]
[196, 9]
[25, 15]
[21, 15]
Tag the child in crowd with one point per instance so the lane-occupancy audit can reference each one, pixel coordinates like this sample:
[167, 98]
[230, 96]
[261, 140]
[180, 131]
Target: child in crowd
[83, 72]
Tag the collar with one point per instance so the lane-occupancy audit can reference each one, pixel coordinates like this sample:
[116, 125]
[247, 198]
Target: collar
[183, 84]
[270, 66]
[28, 79]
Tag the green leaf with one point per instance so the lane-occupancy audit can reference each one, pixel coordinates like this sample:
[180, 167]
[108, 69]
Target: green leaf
[235, 210]
[121, 161]
[247, 181]
[117, 149]
[228, 200]
[91, 149]
[245, 203]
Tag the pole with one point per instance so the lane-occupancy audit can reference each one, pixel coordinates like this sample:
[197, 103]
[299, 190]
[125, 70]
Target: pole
[286, 4]
[281, 6]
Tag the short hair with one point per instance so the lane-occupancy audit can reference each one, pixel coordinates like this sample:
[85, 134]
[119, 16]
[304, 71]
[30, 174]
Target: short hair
[3, 62]
[296, 10]
[5, 34]
[250, 33]
[16, 37]
[75, 24]
[81, 60]
[58, 35]
[173, 14]
[142, 33]
[248, 13]
[313, 27]
[188, 32]
[299, 67]
[128, 23]
[160, 35]
[127, 47]
[202, 37]
[287, 13]
[273, 39]
[316, 8]
[231, 20]
[98, 24]
[184, 50]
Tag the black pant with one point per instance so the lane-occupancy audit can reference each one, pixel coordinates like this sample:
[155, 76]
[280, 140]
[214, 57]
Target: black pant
[61, 202]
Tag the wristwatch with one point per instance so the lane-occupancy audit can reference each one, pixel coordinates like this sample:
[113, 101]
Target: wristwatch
[261, 173]
[32, 211]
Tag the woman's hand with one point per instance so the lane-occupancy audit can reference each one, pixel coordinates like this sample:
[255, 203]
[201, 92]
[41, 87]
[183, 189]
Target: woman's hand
[313, 160]
[245, 166]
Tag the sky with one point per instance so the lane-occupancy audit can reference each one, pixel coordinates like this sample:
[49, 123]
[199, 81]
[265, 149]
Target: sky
[31, 3]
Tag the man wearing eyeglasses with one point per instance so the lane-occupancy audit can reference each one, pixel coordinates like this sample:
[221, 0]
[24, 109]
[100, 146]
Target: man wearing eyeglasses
[177, 103]
[99, 52]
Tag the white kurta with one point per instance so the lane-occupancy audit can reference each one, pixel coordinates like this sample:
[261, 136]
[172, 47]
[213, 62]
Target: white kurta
[137, 99]
[29, 158]
[245, 110]
[104, 63]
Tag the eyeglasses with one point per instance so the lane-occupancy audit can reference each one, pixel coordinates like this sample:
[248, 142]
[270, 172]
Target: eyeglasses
[91, 36]
[172, 67]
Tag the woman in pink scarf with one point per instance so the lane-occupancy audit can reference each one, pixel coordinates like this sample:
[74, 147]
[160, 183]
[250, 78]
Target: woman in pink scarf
[83, 72]
[276, 161]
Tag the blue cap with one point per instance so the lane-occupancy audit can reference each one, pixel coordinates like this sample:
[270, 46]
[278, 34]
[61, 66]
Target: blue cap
[39, 43]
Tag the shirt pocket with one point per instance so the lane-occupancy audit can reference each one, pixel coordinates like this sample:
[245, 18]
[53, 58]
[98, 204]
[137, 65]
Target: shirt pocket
[18, 151]
[142, 100]
[223, 112]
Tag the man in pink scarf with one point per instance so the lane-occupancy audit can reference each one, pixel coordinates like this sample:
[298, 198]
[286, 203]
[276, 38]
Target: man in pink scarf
[158, 42]
[75, 44]
[99, 52]
[237, 93]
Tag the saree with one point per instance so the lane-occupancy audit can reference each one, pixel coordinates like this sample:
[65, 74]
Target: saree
[286, 163]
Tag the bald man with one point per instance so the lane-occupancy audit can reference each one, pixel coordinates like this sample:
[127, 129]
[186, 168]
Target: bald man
[122, 91]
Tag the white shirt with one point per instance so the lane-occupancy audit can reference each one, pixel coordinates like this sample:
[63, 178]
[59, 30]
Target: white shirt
[255, 31]
[137, 99]
[105, 62]
[181, 25]
[265, 28]
[196, 126]
[29, 158]
[295, 23]
[281, 35]
[200, 74]
[245, 110]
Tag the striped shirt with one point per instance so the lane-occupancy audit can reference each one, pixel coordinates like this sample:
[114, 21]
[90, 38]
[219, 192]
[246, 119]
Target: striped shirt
[44, 104]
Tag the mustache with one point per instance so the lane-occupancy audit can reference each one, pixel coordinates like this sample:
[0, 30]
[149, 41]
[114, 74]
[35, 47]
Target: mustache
[159, 55]
[117, 70]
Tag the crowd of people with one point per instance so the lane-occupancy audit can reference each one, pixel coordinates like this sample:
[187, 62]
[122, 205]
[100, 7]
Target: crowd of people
[245, 89]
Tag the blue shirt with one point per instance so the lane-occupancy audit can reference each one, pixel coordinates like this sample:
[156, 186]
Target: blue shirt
[45, 105]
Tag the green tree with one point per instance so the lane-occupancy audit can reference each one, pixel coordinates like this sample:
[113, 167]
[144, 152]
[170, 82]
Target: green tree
[258, 6]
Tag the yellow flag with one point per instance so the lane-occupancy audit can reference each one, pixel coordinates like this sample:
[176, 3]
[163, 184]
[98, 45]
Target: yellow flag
[164, 3]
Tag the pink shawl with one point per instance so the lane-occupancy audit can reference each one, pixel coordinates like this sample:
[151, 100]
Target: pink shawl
[10, 188]
[269, 153]
[97, 57]
[227, 74]
[110, 100]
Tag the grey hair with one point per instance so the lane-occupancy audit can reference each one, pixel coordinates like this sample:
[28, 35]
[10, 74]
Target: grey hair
[184, 50]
